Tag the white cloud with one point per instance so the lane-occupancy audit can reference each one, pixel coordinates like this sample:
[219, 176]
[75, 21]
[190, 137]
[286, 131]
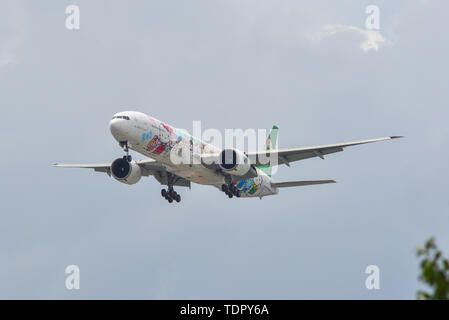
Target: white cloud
[372, 39]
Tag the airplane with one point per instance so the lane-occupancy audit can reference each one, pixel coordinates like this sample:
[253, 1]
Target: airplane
[236, 173]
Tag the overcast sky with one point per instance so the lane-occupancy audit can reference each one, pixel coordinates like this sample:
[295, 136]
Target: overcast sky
[310, 67]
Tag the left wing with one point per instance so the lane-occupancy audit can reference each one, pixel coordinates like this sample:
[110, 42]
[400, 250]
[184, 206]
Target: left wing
[285, 156]
[148, 167]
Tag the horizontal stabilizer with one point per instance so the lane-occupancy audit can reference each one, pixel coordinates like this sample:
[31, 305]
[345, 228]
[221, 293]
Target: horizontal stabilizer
[300, 183]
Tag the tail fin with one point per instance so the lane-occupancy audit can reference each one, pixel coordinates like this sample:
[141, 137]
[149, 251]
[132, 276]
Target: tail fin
[299, 183]
[272, 139]
[270, 144]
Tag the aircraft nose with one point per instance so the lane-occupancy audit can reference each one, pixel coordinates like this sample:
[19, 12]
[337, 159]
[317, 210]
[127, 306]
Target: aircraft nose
[117, 128]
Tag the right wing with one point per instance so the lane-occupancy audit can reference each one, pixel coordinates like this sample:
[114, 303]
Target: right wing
[148, 167]
[99, 167]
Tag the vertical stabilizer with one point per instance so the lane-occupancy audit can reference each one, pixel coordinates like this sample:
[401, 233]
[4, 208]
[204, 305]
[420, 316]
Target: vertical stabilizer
[270, 144]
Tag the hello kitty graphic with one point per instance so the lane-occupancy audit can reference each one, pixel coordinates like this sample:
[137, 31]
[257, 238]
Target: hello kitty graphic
[153, 144]
[164, 135]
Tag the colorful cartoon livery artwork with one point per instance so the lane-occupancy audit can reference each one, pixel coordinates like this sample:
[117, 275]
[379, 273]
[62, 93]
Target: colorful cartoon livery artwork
[249, 186]
[162, 143]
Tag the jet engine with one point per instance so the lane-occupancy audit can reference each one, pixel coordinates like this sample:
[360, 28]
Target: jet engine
[234, 162]
[126, 171]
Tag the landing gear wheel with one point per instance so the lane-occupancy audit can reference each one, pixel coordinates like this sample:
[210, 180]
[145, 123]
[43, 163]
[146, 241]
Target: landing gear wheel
[170, 194]
[129, 158]
[230, 189]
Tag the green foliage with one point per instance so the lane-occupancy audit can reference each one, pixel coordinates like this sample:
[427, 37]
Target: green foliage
[434, 272]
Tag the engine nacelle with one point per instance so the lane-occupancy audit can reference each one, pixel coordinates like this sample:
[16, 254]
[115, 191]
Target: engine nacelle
[234, 162]
[126, 172]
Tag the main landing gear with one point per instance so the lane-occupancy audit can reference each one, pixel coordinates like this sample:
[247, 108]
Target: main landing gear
[124, 145]
[230, 190]
[170, 194]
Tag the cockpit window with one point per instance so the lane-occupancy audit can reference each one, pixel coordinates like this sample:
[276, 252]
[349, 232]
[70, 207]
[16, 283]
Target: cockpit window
[120, 117]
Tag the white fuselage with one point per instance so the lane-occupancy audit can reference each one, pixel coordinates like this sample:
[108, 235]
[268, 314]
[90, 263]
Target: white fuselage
[155, 139]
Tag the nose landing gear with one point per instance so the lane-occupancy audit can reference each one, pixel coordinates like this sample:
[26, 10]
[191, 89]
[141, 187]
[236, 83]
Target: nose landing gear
[124, 145]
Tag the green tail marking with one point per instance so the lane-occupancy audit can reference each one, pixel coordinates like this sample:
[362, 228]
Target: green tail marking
[270, 145]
